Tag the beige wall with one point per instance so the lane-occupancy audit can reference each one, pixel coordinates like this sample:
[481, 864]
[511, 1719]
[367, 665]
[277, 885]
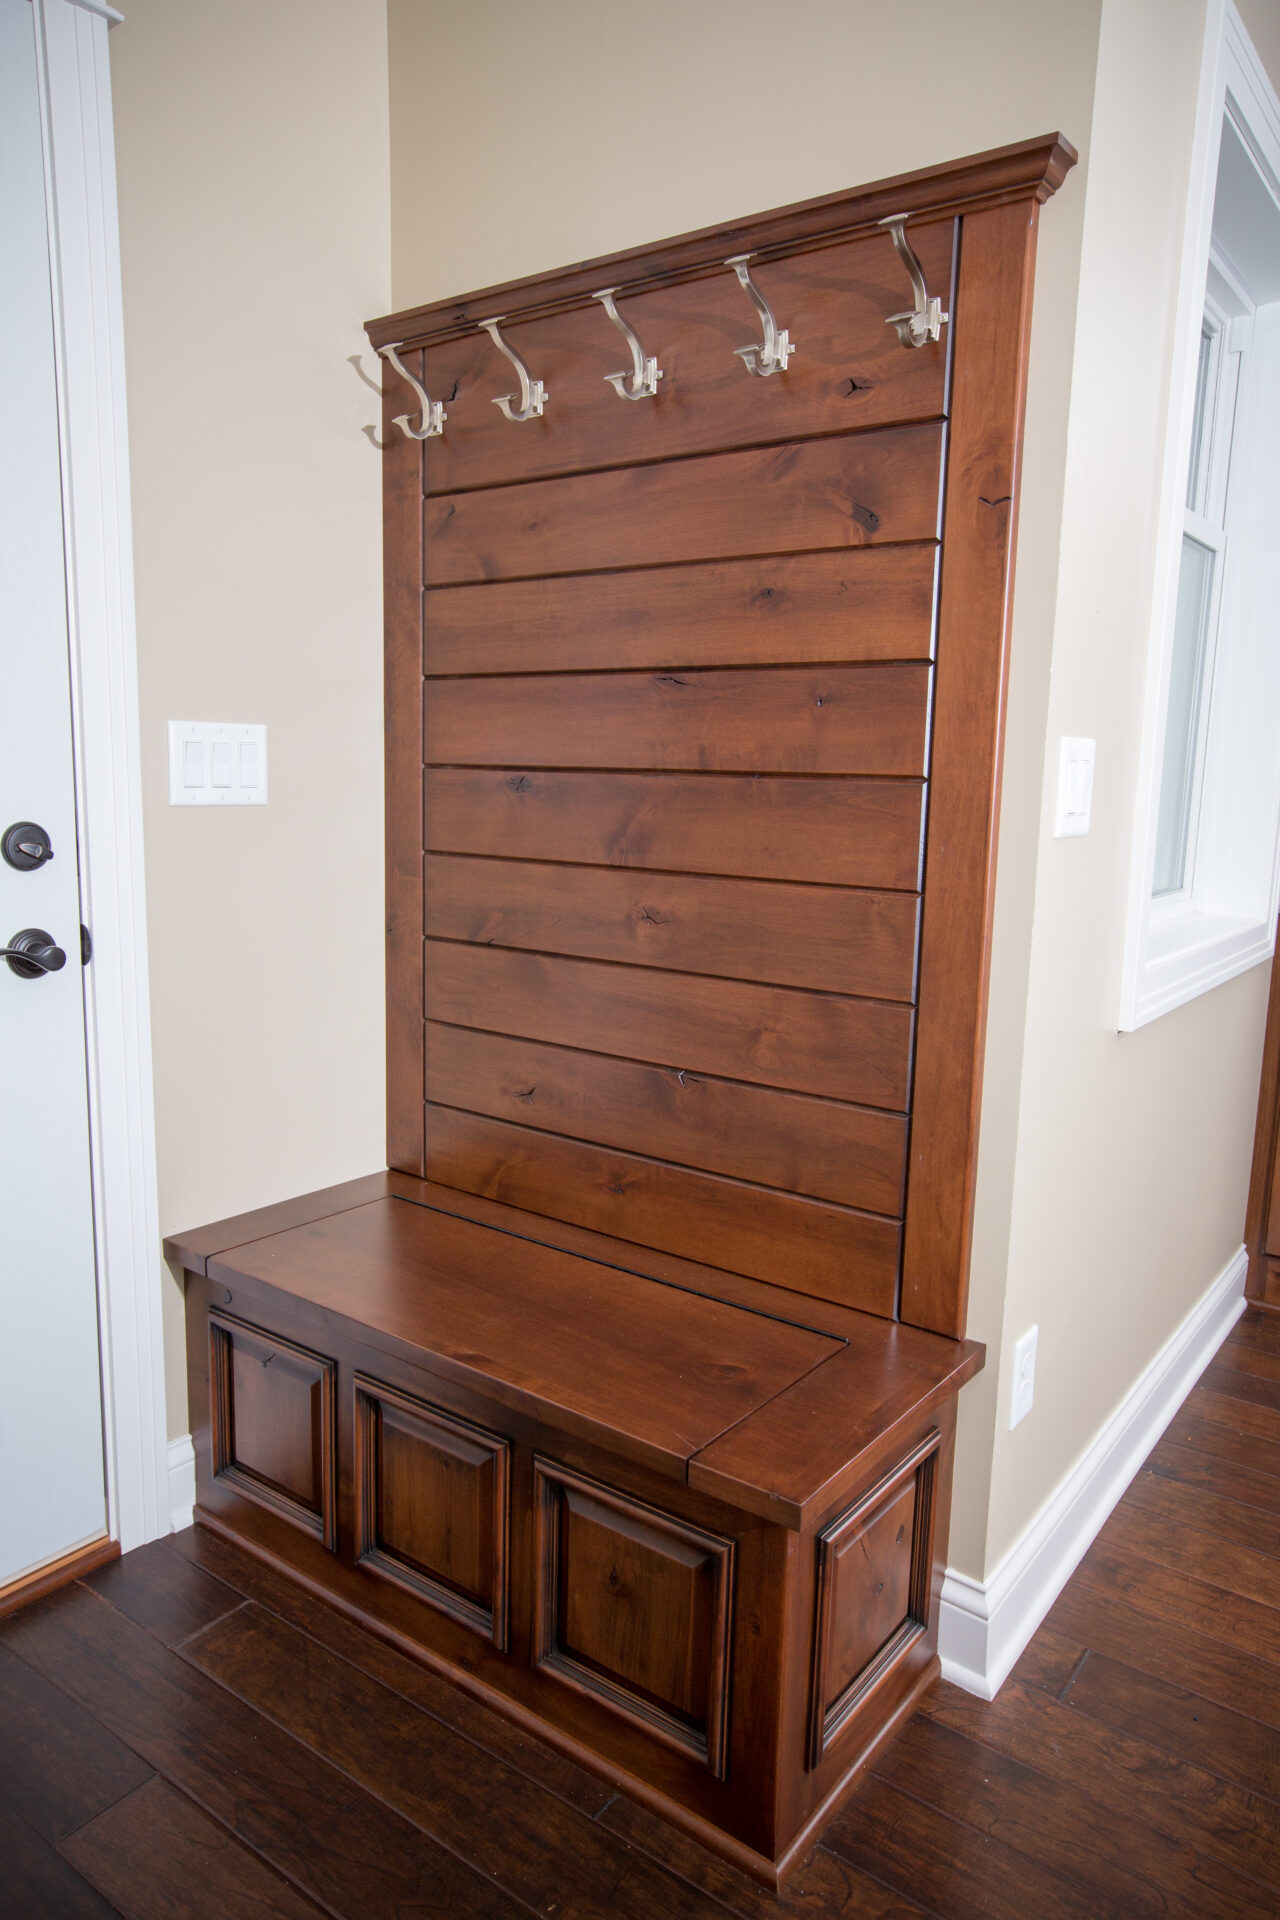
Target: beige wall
[252, 149]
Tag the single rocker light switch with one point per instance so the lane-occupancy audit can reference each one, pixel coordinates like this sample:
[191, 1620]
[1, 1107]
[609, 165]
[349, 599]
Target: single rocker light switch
[217, 763]
[1075, 787]
[1023, 1390]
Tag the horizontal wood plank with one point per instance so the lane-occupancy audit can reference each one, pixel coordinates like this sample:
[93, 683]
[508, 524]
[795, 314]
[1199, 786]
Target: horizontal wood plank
[834, 939]
[872, 603]
[805, 1245]
[854, 1050]
[856, 833]
[848, 368]
[866, 720]
[855, 1156]
[851, 490]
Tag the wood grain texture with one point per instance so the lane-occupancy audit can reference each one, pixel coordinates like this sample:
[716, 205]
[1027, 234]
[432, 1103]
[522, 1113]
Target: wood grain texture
[38, 1883]
[825, 1149]
[804, 1245]
[852, 490]
[57, 1573]
[168, 1596]
[834, 939]
[983, 462]
[59, 1767]
[849, 832]
[871, 603]
[771, 1036]
[191, 1250]
[860, 720]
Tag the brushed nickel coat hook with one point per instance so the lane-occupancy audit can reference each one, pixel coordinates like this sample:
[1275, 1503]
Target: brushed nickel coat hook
[924, 322]
[533, 395]
[642, 381]
[775, 349]
[433, 413]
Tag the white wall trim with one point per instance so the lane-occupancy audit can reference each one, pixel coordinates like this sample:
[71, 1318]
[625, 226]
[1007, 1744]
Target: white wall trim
[89, 350]
[182, 1483]
[985, 1625]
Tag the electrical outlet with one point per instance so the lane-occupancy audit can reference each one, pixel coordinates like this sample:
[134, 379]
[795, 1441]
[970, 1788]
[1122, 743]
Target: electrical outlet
[1023, 1391]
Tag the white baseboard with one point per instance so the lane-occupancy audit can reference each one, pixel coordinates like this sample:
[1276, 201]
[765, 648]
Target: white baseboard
[182, 1483]
[985, 1625]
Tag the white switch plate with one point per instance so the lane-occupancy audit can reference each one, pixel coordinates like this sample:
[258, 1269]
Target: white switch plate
[1022, 1392]
[217, 763]
[1075, 787]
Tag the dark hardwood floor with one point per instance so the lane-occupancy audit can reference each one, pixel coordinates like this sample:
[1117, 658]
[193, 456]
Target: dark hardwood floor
[184, 1734]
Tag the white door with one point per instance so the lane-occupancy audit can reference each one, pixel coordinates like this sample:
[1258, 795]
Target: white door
[52, 1491]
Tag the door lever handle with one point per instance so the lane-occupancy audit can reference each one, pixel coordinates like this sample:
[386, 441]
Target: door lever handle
[32, 953]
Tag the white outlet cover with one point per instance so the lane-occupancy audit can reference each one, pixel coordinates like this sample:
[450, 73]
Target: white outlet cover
[1075, 787]
[217, 763]
[1022, 1387]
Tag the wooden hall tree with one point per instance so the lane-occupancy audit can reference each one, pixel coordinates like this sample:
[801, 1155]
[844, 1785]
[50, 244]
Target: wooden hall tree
[627, 1395]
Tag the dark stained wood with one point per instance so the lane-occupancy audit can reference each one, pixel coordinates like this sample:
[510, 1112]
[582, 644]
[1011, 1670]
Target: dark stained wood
[849, 370]
[826, 1149]
[58, 1573]
[861, 719]
[1028, 169]
[1168, 1594]
[1208, 1512]
[1236, 1385]
[772, 1036]
[58, 1766]
[1227, 1443]
[37, 1882]
[1167, 1542]
[870, 603]
[850, 832]
[273, 1422]
[1227, 1478]
[155, 1856]
[836, 939]
[988, 397]
[848, 491]
[1250, 1357]
[806, 1245]
[341, 1846]
[168, 1596]
[1240, 1416]
[191, 1250]
[402, 700]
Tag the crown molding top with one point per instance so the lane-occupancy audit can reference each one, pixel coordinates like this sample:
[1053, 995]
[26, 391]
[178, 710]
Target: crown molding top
[1028, 170]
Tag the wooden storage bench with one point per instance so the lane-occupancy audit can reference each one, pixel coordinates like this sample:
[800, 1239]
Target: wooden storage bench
[692, 1537]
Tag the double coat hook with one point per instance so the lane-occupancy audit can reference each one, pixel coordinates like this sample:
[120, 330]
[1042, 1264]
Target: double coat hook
[775, 349]
[642, 381]
[433, 413]
[924, 322]
[533, 395]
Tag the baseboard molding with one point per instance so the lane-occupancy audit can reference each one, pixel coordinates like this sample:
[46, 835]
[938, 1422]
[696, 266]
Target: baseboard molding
[985, 1625]
[182, 1483]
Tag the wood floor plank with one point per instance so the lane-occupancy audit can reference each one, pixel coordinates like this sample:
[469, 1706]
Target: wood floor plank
[168, 1596]
[1255, 1329]
[1224, 1477]
[1048, 1662]
[155, 1856]
[1226, 1443]
[1158, 1537]
[1126, 1868]
[1239, 1415]
[549, 1854]
[446, 1703]
[58, 1767]
[1205, 1512]
[1236, 1385]
[948, 1866]
[36, 1883]
[1183, 1598]
[823, 1886]
[1231, 1745]
[335, 1843]
[1137, 1780]
[1177, 1654]
[1250, 1356]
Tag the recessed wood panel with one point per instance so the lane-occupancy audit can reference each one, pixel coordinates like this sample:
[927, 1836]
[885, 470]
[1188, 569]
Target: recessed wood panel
[873, 603]
[272, 1423]
[771, 1036]
[836, 939]
[865, 720]
[873, 1591]
[848, 369]
[848, 832]
[635, 1609]
[823, 1148]
[836, 1253]
[852, 490]
[431, 1505]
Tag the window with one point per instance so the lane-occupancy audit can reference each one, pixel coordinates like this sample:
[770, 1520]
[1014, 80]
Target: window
[1206, 880]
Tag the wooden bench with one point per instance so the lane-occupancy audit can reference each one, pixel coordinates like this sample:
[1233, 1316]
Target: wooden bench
[627, 1395]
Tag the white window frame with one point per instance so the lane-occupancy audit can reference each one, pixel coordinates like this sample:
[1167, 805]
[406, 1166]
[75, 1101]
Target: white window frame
[1223, 920]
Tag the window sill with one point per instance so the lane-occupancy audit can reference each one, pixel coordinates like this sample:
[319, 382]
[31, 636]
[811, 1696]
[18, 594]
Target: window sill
[1187, 955]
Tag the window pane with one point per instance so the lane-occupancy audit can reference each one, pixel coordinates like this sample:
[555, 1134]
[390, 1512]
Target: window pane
[1196, 462]
[1186, 686]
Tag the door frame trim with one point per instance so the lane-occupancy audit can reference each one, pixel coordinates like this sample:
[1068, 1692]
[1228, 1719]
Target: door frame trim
[75, 86]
